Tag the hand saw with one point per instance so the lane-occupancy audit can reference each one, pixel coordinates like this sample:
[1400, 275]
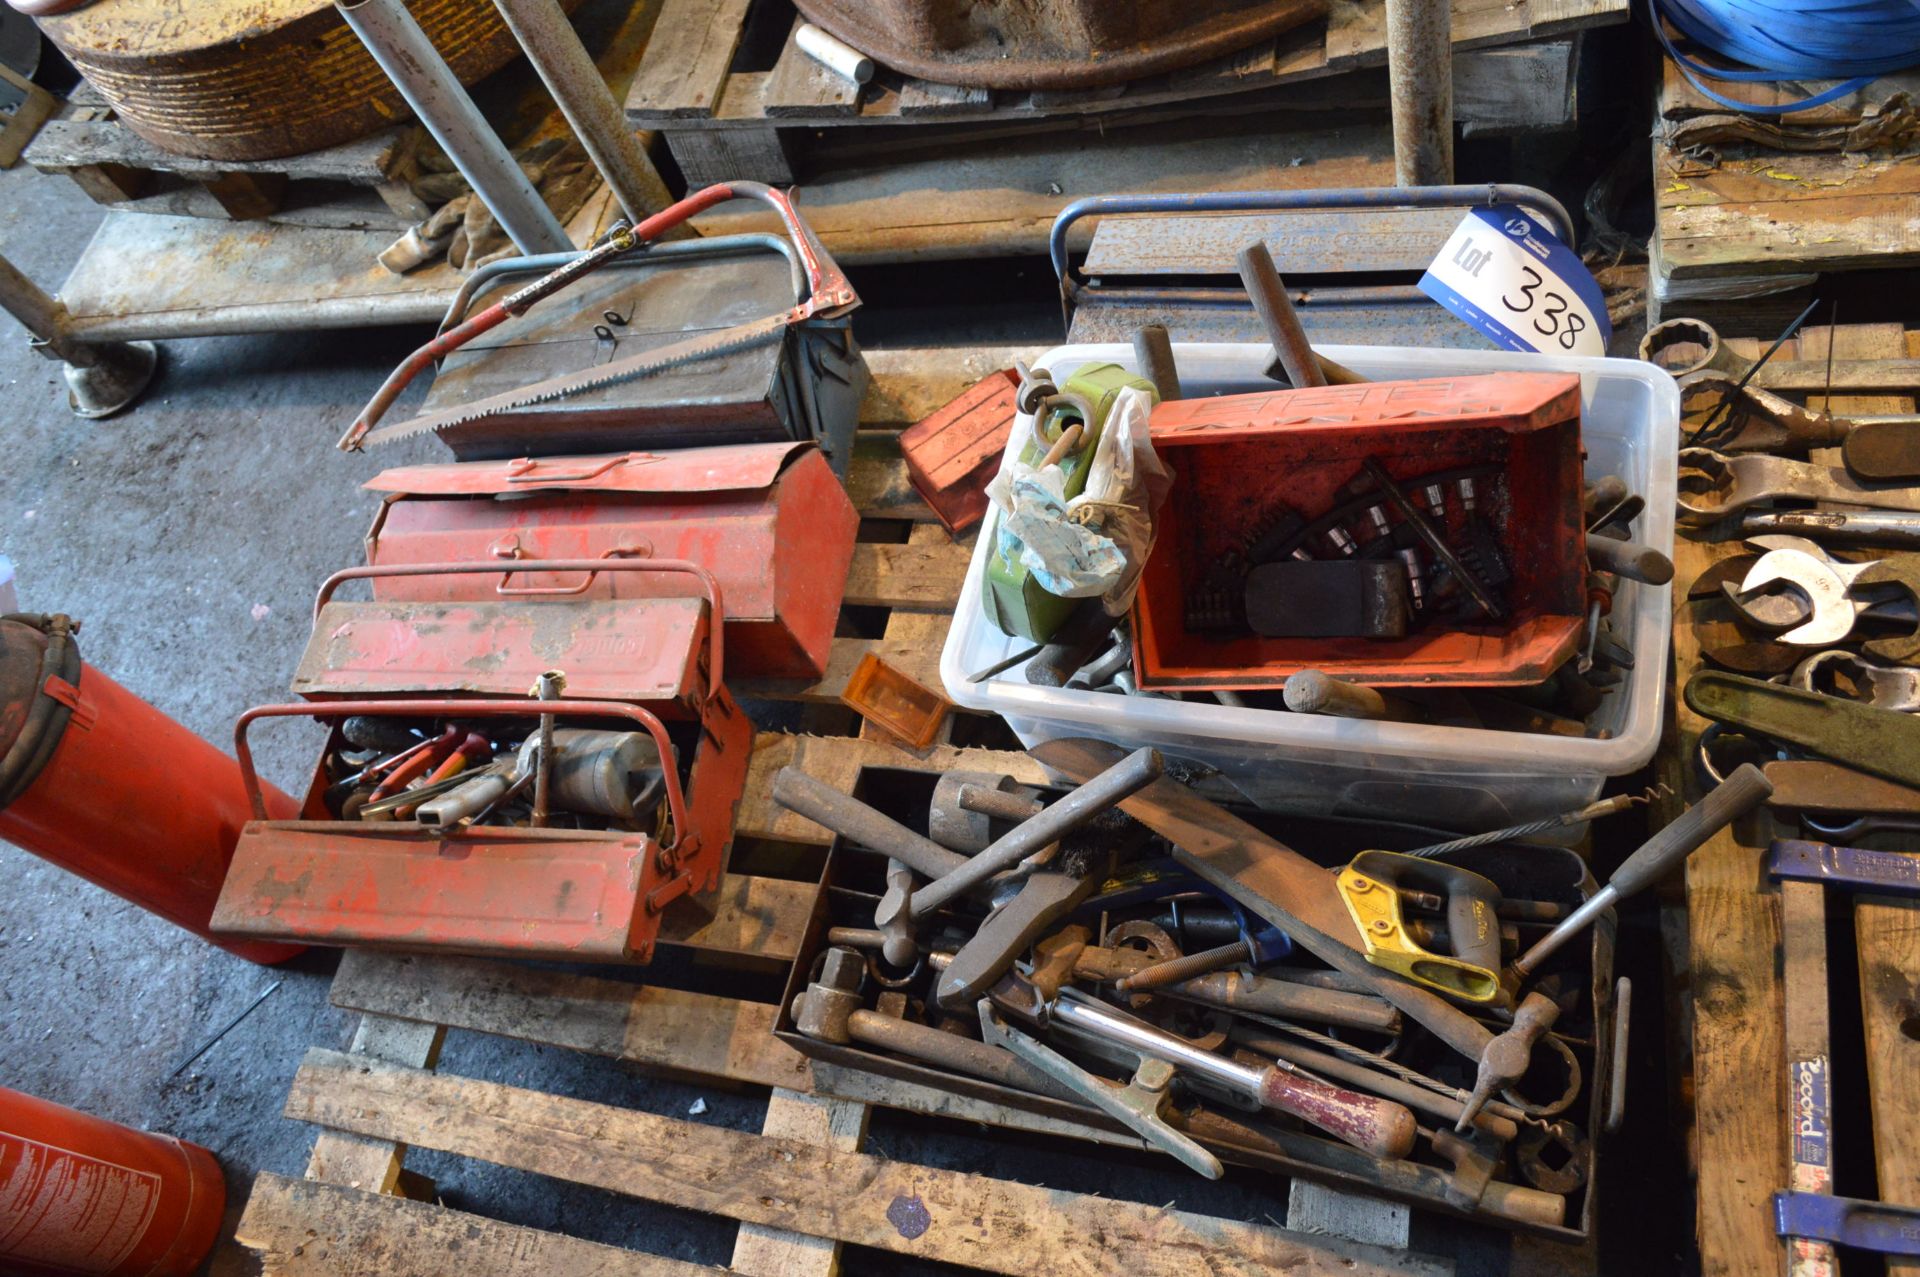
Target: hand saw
[1270, 879]
[828, 294]
[727, 341]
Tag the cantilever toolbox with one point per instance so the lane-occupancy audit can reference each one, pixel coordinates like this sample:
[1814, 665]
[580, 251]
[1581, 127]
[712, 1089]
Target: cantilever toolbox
[770, 522]
[651, 668]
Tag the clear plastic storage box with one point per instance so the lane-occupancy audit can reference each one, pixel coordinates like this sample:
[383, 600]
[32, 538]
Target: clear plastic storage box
[1459, 778]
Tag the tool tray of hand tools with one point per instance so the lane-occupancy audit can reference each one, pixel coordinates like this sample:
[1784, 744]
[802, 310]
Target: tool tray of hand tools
[854, 880]
[587, 887]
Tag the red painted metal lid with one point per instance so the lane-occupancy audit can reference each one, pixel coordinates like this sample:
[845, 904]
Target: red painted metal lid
[744, 467]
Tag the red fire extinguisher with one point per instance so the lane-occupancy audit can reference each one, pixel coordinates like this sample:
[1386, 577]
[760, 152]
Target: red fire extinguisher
[80, 1194]
[104, 785]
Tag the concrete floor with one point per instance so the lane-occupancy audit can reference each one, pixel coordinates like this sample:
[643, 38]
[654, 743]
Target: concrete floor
[189, 535]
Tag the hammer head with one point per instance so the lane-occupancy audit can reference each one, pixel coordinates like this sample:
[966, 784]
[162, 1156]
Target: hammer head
[830, 1001]
[1507, 1056]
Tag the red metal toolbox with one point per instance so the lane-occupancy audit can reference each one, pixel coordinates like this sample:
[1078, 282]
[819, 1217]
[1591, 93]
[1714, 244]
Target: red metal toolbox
[1237, 458]
[584, 894]
[770, 522]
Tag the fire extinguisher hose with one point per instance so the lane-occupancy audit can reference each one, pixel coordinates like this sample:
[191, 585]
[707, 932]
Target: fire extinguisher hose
[47, 719]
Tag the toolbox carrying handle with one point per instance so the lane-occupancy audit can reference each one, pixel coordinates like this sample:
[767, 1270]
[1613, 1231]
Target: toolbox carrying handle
[1537, 202]
[459, 707]
[486, 278]
[709, 588]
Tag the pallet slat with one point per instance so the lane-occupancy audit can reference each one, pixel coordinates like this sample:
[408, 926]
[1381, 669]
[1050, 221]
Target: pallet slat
[302, 1228]
[942, 1215]
[836, 761]
[685, 65]
[800, 86]
[921, 578]
[666, 1029]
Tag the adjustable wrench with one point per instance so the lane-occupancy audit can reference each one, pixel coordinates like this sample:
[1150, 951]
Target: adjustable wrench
[1713, 484]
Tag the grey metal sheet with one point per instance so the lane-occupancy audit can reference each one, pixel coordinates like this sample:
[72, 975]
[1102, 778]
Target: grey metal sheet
[1301, 243]
[1101, 319]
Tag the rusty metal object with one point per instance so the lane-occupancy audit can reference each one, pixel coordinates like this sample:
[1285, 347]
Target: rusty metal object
[262, 79]
[1051, 44]
[1420, 80]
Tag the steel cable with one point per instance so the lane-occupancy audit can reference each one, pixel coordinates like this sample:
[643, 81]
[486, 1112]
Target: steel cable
[1854, 41]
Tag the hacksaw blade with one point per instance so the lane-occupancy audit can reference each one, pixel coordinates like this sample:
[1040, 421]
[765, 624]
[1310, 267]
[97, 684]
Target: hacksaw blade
[727, 341]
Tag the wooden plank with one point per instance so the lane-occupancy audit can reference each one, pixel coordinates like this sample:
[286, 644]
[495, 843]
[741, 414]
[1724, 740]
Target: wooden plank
[25, 120]
[299, 1228]
[65, 144]
[1357, 34]
[877, 482]
[1001, 197]
[687, 57]
[695, 1034]
[922, 578]
[1780, 214]
[709, 156]
[924, 98]
[800, 86]
[1803, 938]
[836, 761]
[911, 382]
[1730, 979]
[1886, 929]
[1525, 89]
[685, 1034]
[1317, 1208]
[1270, 73]
[757, 917]
[919, 659]
[357, 1161]
[940, 1215]
[839, 1125]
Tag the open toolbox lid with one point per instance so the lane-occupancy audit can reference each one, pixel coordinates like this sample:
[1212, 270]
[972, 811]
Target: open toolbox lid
[739, 468]
[643, 650]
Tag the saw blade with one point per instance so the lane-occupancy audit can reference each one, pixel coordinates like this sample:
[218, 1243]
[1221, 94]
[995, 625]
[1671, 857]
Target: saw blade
[727, 341]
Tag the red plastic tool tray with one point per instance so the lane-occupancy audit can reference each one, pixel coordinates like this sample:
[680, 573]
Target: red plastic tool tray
[770, 522]
[1236, 457]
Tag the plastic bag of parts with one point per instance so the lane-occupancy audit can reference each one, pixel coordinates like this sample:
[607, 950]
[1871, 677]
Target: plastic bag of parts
[1093, 544]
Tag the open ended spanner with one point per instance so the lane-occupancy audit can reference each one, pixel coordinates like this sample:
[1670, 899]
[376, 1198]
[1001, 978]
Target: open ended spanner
[1835, 590]
[1713, 484]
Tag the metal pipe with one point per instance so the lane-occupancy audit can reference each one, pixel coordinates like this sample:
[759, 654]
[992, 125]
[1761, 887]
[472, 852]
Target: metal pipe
[1153, 351]
[551, 44]
[1268, 294]
[1420, 82]
[1119, 782]
[420, 74]
[102, 376]
[41, 315]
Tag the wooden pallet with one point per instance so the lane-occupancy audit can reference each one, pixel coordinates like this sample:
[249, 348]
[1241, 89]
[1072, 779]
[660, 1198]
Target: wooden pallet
[1723, 943]
[357, 185]
[722, 119]
[1746, 208]
[802, 1187]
